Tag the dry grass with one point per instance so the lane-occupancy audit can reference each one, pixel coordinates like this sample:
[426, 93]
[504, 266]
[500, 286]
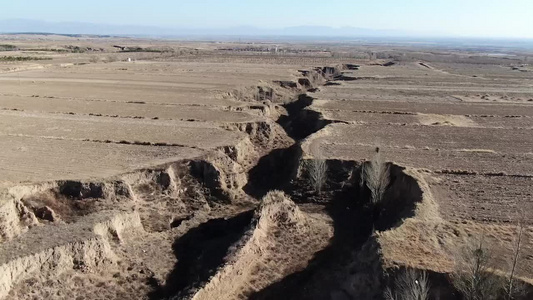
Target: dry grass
[317, 169]
[281, 241]
[514, 288]
[474, 275]
[376, 175]
[22, 58]
[111, 58]
[409, 285]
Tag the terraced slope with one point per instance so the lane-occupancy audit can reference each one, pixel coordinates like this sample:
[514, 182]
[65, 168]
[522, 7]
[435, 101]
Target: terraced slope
[474, 153]
[189, 178]
[166, 145]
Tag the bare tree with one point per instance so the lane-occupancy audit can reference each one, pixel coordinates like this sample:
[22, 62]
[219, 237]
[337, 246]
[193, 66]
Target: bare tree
[317, 169]
[409, 285]
[513, 288]
[474, 276]
[376, 175]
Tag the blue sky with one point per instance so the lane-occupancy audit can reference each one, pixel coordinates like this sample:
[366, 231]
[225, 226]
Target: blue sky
[496, 18]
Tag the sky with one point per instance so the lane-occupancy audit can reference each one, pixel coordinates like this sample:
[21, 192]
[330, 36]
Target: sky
[469, 18]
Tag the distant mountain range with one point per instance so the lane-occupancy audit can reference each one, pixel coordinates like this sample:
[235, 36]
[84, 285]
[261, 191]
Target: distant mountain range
[34, 26]
[300, 33]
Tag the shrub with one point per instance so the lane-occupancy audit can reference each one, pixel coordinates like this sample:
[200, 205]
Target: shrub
[7, 47]
[317, 172]
[376, 175]
[23, 58]
[473, 275]
[513, 288]
[111, 58]
[409, 285]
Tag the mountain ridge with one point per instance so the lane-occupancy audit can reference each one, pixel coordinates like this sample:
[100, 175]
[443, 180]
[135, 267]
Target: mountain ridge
[26, 25]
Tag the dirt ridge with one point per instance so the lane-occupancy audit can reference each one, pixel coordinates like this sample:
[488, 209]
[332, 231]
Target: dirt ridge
[185, 195]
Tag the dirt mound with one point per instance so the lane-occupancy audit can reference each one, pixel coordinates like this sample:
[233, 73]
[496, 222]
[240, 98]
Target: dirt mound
[49, 250]
[265, 135]
[281, 241]
[15, 218]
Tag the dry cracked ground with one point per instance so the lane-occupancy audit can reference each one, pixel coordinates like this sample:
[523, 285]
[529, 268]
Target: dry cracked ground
[165, 170]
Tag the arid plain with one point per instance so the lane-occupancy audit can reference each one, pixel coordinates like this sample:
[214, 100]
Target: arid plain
[144, 169]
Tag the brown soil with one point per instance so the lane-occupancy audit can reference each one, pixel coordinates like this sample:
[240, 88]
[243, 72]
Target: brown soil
[182, 175]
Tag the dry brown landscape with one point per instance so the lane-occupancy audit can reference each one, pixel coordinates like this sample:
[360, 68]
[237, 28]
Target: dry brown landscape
[157, 169]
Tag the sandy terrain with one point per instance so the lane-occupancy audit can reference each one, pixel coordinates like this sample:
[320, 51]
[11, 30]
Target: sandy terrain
[183, 171]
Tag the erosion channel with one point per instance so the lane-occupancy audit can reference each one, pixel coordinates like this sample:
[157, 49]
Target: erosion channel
[240, 222]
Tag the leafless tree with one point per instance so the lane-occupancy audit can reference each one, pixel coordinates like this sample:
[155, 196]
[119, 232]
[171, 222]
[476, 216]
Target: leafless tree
[376, 175]
[317, 169]
[474, 276]
[513, 288]
[409, 285]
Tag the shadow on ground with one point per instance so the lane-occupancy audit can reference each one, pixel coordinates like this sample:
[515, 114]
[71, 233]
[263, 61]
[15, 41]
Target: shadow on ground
[200, 252]
[352, 228]
[354, 220]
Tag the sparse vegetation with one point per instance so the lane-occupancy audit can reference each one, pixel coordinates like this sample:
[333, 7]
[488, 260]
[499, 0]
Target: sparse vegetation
[23, 58]
[7, 47]
[317, 170]
[514, 289]
[111, 58]
[474, 276]
[375, 174]
[76, 49]
[191, 161]
[140, 49]
[409, 285]
[47, 50]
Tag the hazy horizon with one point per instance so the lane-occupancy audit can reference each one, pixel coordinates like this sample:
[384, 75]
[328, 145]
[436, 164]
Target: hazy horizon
[452, 18]
[294, 33]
